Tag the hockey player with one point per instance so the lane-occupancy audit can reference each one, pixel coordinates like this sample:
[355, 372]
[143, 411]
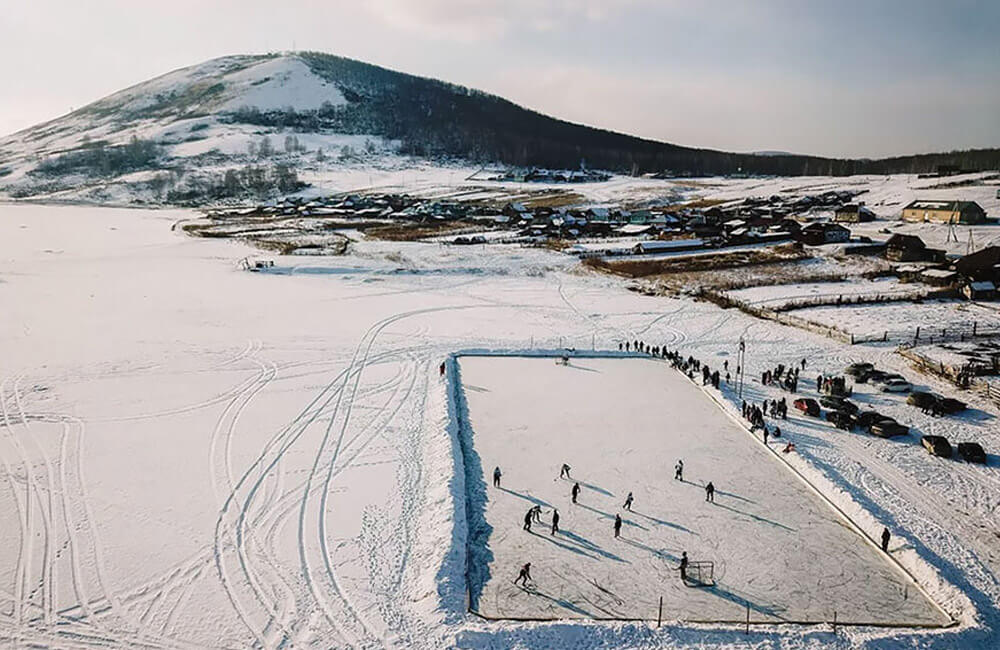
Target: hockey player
[527, 520]
[575, 492]
[524, 575]
[679, 471]
[564, 471]
[536, 514]
[628, 502]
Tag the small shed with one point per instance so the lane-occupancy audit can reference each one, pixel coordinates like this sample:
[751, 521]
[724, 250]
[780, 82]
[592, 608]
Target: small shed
[980, 290]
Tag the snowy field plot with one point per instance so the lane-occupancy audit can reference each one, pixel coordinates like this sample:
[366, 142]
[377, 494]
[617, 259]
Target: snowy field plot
[782, 294]
[931, 317]
[621, 425]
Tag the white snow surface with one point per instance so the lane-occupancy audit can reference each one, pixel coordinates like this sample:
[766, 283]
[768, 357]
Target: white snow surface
[193, 456]
[280, 83]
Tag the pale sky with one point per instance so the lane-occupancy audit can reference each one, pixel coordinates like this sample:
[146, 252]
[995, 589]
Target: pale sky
[841, 78]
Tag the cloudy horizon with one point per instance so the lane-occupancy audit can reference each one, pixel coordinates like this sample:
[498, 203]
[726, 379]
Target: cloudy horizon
[844, 80]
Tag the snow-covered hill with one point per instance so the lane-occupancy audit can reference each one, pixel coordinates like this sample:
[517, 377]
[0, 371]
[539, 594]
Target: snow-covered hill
[185, 134]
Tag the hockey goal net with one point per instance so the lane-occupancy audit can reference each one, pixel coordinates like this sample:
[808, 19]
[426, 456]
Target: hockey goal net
[701, 573]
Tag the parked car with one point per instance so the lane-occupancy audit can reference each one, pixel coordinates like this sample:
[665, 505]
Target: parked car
[872, 376]
[808, 406]
[888, 428]
[922, 399]
[832, 401]
[859, 370]
[884, 377]
[937, 446]
[951, 405]
[896, 386]
[839, 419]
[971, 452]
[865, 419]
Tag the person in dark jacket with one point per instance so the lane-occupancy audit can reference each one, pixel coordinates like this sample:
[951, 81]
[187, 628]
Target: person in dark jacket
[524, 575]
[710, 492]
[885, 540]
[575, 492]
[628, 502]
[527, 521]
[496, 476]
[555, 521]
[618, 525]
[684, 566]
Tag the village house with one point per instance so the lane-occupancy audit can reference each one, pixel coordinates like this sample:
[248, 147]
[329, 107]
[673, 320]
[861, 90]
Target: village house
[817, 234]
[910, 248]
[966, 212]
[981, 266]
[853, 213]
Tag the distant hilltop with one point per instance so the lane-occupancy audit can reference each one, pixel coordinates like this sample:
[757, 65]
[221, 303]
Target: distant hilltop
[251, 124]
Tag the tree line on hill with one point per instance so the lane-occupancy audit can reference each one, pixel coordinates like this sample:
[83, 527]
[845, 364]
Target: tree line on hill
[435, 118]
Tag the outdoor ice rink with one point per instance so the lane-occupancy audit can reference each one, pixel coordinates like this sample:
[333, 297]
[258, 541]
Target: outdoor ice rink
[621, 424]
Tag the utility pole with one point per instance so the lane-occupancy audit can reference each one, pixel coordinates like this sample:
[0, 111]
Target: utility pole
[741, 364]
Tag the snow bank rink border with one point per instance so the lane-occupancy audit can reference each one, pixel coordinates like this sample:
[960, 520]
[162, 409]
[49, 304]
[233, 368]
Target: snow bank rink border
[479, 530]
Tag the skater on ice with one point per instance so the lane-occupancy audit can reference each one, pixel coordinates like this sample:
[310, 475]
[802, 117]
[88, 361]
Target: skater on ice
[575, 492]
[618, 525]
[496, 476]
[885, 540]
[524, 575]
[555, 521]
[710, 492]
[679, 471]
[628, 502]
[564, 471]
[527, 520]
[536, 514]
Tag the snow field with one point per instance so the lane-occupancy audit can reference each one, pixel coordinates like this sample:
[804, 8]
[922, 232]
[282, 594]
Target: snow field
[143, 361]
[621, 425]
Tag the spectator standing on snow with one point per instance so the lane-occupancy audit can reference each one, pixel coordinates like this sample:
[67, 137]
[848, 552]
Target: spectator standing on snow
[496, 476]
[628, 502]
[555, 521]
[575, 492]
[618, 525]
[564, 471]
[819, 383]
[684, 566]
[885, 540]
[679, 471]
[524, 575]
[803, 364]
[710, 492]
[527, 521]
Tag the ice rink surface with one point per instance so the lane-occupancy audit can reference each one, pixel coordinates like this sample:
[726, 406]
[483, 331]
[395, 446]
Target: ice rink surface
[621, 425]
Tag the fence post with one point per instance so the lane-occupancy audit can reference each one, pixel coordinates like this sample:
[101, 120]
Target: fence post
[748, 619]
[835, 622]
[659, 615]
[916, 337]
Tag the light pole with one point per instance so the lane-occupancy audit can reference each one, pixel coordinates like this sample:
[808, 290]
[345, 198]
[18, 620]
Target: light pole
[741, 364]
